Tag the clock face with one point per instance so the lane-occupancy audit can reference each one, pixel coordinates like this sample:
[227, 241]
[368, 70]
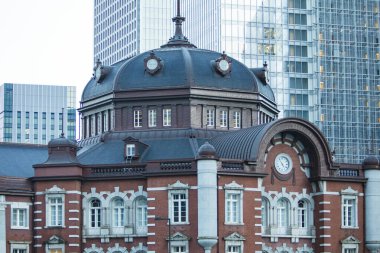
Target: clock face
[283, 163]
[224, 65]
[152, 64]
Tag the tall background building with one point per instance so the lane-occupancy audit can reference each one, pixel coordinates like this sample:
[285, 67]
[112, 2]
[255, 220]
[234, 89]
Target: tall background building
[323, 55]
[33, 113]
[125, 28]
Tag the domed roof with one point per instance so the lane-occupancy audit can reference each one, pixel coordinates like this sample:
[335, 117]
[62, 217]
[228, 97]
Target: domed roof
[177, 64]
[181, 67]
[207, 151]
[371, 162]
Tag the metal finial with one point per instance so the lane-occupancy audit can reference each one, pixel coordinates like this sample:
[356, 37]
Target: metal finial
[178, 40]
[178, 8]
[63, 133]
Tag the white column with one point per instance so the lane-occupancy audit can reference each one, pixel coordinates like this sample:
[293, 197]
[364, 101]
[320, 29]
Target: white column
[207, 204]
[372, 210]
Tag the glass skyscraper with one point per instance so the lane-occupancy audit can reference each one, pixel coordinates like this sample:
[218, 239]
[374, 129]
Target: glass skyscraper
[323, 55]
[33, 113]
[125, 28]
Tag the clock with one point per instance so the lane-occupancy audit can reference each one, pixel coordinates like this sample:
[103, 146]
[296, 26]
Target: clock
[283, 163]
[223, 64]
[152, 63]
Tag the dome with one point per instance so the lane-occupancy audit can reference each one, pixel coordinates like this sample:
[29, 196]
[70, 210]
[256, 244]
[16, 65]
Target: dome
[371, 162]
[177, 64]
[207, 151]
[180, 67]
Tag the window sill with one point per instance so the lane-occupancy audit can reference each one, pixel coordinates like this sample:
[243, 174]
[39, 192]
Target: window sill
[54, 227]
[342, 227]
[179, 223]
[14, 227]
[233, 224]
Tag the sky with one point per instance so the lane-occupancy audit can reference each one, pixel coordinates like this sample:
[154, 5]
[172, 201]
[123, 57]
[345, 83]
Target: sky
[46, 42]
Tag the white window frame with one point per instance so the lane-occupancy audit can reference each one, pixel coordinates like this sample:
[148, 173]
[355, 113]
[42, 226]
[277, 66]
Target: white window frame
[137, 118]
[303, 214]
[346, 217]
[233, 189]
[350, 244]
[17, 246]
[118, 212]
[234, 207]
[97, 214]
[178, 188]
[17, 207]
[141, 218]
[152, 118]
[58, 213]
[167, 117]
[223, 120]
[265, 214]
[210, 117]
[236, 241]
[130, 150]
[283, 215]
[178, 249]
[236, 119]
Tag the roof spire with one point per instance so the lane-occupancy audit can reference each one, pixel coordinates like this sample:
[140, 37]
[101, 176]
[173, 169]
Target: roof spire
[178, 40]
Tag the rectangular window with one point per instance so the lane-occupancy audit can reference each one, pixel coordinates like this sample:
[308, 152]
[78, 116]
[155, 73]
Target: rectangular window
[295, 34]
[267, 49]
[299, 99]
[19, 251]
[349, 209]
[137, 118]
[167, 117]
[298, 83]
[297, 19]
[152, 118]
[36, 120]
[19, 218]
[269, 33]
[233, 249]
[179, 249]
[142, 219]
[210, 117]
[179, 207]
[236, 120]
[296, 67]
[223, 118]
[299, 4]
[233, 208]
[298, 51]
[54, 211]
[130, 150]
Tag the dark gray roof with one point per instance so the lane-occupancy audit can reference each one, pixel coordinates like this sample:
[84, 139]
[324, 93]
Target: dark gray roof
[17, 159]
[184, 67]
[242, 144]
[175, 144]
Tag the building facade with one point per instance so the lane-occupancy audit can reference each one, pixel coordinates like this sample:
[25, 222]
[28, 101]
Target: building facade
[126, 28]
[182, 151]
[323, 58]
[33, 113]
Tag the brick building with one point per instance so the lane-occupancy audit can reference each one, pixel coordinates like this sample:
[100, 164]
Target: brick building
[182, 151]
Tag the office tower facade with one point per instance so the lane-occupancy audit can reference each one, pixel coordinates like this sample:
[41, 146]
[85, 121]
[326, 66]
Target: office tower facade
[125, 28]
[33, 113]
[323, 57]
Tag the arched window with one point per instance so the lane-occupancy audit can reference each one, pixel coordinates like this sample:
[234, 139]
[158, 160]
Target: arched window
[118, 212]
[283, 213]
[141, 219]
[302, 213]
[95, 213]
[265, 207]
